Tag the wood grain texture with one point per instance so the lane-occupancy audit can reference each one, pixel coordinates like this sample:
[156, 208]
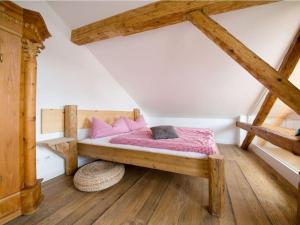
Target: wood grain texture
[53, 119]
[258, 68]
[109, 116]
[171, 163]
[10, 205]
[216, 184]
[283, 113]
[91, 211]
[241, 193]
[139, 201]
[31, 198]
[277, 176]
[30, 51]
[56, 141]
[11, 158]
[70, 121]
[10, 145]
[286, 69]
[10, 10]
[64, 147]
[69, 150]
[278, 201]
[151, 16]
[277, 136]
[211, 167]
[253, 196]
[21, 35]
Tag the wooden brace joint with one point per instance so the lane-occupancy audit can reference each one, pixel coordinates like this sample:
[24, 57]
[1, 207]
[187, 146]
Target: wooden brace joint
[69, 153]
[216, 185]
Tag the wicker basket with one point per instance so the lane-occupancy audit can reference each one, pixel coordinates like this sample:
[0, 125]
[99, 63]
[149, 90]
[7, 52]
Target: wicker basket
[98, 176]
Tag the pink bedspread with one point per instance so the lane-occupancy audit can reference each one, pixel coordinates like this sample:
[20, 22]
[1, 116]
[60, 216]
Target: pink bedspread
[190, 139]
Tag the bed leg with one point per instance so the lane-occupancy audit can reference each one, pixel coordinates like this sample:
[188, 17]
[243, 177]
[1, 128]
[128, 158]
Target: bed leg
[70, 130]
[216, 184]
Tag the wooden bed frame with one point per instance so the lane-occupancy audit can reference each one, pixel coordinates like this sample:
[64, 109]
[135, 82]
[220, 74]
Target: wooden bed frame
[70, 120]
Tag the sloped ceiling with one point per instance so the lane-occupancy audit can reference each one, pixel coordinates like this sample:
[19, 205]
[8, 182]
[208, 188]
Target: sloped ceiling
[176, 71]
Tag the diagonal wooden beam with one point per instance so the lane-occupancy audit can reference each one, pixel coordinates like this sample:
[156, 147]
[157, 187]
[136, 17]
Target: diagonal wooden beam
[277, 121]
[286, 69]
[152, 16]
[259, 69]
[281, 137]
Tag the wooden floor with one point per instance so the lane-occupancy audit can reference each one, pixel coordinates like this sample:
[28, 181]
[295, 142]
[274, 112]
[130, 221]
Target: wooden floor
[144, 196]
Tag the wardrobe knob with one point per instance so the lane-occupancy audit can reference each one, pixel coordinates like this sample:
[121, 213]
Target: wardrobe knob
[1, 57]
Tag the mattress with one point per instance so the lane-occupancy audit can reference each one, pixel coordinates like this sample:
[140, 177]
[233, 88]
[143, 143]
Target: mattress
[104, 141]
[199, 140]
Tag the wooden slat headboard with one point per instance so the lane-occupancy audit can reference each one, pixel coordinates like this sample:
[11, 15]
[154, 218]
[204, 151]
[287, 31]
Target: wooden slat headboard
[53, 119]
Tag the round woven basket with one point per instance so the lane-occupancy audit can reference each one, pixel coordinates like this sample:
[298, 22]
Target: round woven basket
[98, 176]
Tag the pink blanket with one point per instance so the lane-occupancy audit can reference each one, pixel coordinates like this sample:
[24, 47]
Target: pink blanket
[190, 139]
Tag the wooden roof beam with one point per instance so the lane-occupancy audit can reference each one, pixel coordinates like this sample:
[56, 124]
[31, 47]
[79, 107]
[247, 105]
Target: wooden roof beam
[286, 69]
[258, 68]
[152, 16]
[276, 136]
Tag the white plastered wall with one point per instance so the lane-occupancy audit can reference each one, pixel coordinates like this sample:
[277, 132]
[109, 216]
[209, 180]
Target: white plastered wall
[69, 74]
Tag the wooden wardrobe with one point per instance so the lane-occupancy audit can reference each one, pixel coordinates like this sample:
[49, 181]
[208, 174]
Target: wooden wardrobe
[22, 33]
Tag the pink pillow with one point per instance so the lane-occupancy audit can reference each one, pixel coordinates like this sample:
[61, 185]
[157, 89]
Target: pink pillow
[120, 126]
[102, 129]
[134, 125]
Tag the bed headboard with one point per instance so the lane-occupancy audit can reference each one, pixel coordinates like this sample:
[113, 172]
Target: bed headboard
[54, 120]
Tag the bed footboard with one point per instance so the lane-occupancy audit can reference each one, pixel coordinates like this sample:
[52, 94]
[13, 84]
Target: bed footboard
[216, 184]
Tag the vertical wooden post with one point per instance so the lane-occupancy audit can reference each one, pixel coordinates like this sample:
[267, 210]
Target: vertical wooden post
[30, 51]
[136, 113]
[70, 130]
[31, 194]
[216, 185]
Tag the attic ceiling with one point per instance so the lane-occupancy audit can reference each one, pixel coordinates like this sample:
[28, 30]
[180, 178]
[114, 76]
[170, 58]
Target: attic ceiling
[176, 71]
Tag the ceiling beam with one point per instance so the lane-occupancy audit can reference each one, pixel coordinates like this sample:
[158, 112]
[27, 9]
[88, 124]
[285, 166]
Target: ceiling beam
[286, 69]
[279, 85]
[152, 16]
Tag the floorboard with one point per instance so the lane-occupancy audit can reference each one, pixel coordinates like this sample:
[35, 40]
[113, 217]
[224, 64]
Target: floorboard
[144, 196]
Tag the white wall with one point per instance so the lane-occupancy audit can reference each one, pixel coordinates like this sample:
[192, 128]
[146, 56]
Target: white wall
[180, 77]
[224, 128]
[176, 71]
[69, 74]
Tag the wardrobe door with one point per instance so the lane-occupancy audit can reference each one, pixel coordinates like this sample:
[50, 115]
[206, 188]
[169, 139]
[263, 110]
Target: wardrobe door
[10, 149]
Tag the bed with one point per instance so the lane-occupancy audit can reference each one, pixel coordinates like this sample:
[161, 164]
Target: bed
[182, 162]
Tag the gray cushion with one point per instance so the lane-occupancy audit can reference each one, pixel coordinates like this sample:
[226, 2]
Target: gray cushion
[163, 132]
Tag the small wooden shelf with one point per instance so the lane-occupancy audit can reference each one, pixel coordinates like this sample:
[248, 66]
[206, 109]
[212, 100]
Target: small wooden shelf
[56, 141]
[67, 148]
